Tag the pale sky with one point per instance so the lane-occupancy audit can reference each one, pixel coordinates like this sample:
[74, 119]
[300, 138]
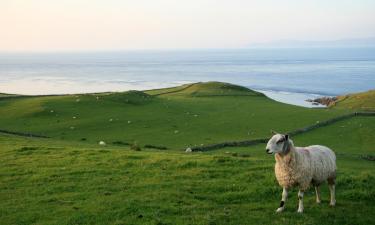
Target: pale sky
[74, 25]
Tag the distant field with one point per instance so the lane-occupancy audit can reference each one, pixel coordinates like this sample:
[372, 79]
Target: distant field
[70, 179]
[182, 117]
[5, 95]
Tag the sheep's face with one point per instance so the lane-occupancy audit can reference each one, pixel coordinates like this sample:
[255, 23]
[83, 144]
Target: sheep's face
[277, 143]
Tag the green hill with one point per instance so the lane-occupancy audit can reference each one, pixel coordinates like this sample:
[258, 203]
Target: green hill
[364, 101]
[70, 179]
[129, 97]
[176, 118]
[6, 95]
[204, 89]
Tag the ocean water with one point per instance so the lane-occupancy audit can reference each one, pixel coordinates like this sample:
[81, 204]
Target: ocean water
[287, 75]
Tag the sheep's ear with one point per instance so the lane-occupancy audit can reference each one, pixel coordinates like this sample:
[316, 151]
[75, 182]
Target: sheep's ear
[286, 137]
[273, 132]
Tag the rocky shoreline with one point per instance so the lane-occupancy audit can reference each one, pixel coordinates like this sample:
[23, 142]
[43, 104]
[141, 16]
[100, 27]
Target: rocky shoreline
[327, 101]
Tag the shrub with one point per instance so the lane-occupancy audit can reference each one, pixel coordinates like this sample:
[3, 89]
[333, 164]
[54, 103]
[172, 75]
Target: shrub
[23, 149]
[368, 157]
[120, 143]
[135, 147]
[156, 147]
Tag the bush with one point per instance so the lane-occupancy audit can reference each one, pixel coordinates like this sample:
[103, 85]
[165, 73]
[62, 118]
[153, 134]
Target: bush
[368, 157]
[120, 143]
[135, 147]
[23, 149]
[156, 147]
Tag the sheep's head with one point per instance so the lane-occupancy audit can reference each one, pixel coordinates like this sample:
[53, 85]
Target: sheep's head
[279, 143]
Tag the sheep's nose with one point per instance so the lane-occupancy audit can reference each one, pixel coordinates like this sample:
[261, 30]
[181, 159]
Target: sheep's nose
[268, 151]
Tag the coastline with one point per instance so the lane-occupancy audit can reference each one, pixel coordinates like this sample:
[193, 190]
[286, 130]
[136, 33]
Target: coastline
[294, 98]
[287, 75]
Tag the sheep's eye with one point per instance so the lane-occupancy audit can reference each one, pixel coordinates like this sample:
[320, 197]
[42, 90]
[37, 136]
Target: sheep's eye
[280, 141]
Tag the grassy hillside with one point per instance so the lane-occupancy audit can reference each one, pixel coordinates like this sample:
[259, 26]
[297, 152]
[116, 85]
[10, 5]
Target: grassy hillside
[358, 101]
[6, 95]
[46, 181]
[70, 179]
[207, 89]
[176, 118]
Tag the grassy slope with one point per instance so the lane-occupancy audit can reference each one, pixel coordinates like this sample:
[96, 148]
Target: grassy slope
[207, 89]
[201, 113]
[43, 181]
[168, 90]
[2, 95]
[67, 181]
[359, 101]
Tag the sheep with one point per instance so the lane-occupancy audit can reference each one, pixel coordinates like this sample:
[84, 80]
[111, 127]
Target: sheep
[302, 167]
[102, 143]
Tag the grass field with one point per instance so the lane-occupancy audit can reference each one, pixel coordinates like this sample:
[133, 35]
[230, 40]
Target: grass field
[203, 113]
[65, 180]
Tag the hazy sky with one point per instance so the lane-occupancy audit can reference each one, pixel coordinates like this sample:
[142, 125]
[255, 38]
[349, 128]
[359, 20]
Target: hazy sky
[49, 25]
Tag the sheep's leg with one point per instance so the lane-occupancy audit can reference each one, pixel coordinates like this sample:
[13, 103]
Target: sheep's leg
[317, 191]
[331, 185]
[300, 201]
[284, 196]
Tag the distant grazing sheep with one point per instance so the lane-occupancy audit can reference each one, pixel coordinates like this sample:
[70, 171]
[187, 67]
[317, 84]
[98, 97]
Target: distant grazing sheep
[302, 166]
[102, 143]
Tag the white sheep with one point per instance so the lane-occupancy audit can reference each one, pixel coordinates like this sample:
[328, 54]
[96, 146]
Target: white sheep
[302, 166]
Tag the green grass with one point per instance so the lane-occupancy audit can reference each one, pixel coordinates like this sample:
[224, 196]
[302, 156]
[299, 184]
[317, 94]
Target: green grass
[209, 89]
[3, 94]
[359, 101]
[202, 113]
[45, 181]
[70, 179]
[163, 91]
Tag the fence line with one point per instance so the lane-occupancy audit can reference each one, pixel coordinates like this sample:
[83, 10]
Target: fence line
[22, 134]
[236, 143]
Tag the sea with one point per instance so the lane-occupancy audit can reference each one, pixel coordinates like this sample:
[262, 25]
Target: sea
[290, 75]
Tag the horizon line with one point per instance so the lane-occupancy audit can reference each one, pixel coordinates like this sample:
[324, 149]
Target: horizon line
[178, 49]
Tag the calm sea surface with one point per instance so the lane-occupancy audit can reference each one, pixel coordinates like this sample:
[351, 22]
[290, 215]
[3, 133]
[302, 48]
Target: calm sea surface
[288, 75]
